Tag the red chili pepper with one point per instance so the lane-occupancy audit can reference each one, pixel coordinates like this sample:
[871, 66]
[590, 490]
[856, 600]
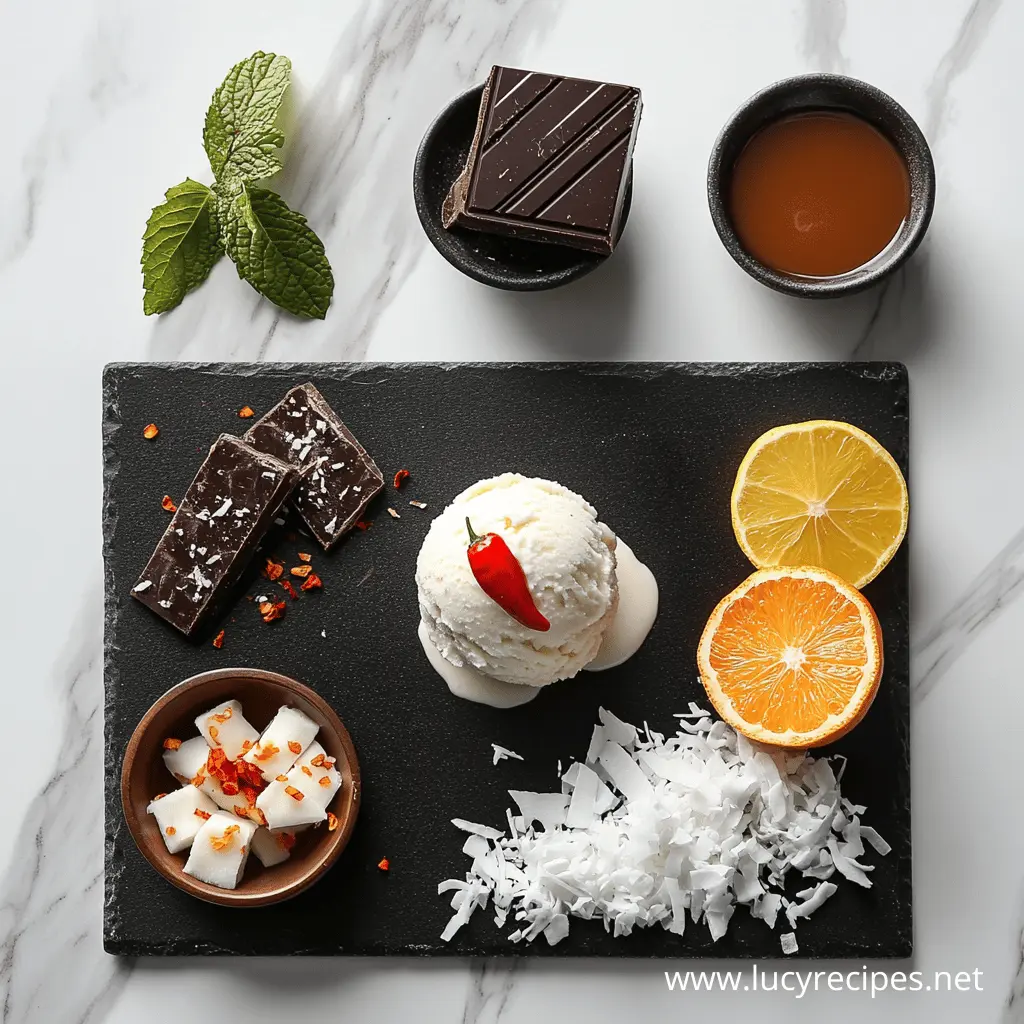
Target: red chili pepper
[502, 579]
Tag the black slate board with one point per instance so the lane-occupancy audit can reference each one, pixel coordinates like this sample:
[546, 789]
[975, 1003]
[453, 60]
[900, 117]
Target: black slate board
[654, 447]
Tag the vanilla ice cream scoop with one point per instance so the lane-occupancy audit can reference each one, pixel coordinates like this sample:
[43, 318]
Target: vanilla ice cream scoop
[569, 561]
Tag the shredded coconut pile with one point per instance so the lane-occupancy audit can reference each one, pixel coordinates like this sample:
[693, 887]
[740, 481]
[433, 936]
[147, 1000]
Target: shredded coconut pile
[649, 829]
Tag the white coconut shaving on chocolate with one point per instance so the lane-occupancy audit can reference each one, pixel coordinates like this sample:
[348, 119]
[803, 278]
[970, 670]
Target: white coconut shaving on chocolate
[503, 754]
[651, 829]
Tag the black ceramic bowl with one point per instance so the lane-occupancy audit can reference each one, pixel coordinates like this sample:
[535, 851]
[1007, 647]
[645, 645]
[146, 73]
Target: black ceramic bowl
[501, 262]
[825, 92]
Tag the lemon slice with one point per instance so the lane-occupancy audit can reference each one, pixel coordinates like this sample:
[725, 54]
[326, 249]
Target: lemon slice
[820, 493]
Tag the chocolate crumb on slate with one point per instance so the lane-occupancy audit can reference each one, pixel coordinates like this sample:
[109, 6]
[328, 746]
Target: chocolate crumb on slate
[339, 478]
[219, 523]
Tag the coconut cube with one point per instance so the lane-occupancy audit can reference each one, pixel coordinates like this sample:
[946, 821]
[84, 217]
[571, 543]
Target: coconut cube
[220, 850]
[272, 848]
[317, 766]
[226, 727]
[282, 742]
[289, 803]
[180, 815]
[185, 762]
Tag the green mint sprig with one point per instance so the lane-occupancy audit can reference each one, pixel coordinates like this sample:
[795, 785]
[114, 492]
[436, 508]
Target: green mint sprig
[272, 246]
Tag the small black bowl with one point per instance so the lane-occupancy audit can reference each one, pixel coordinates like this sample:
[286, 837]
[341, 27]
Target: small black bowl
[508, 263]
[825, 92]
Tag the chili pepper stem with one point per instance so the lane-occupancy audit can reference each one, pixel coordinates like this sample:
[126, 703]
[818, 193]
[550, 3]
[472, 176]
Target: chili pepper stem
[473, 535]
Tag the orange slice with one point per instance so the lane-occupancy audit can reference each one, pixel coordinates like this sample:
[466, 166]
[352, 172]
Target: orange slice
[820, 493]
[792, 657]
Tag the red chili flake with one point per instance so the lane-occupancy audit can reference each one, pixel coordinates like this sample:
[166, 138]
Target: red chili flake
[274, 570]
[301, 570]
[304, 557]
[293, 793]
[307, 771]
[168, 504]
[224, 771]
[265, 751]
[159, 796]
[218, 640]
[400, 477]
[258, 816]
[170, 830]
[312, 582]
[241, 812]
[224, 841]
[286, 839]
[289, 589]
[246, 413]
[214, 733]
[295, 747]
[246, 744]
[329, 763]
[364, 524]
[150, 431]
[325, 781]
[281, 778]
[171, 744]
[384, 864]
[317, 761]
[272, 610]
[199, 779]
[250, 780]
[332, 822]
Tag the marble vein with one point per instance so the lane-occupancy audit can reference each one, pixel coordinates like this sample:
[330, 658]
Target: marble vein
[51, 896]
[994, 589]
[1013, 1007]
[824, 24]
[99, 74]
[970, 35]
[490, 988]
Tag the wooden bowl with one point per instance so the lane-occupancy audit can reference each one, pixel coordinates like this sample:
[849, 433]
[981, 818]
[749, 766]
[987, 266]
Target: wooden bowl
[261, 693]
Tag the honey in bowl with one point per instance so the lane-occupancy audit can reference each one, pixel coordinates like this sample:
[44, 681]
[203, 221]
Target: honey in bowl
[818, 194]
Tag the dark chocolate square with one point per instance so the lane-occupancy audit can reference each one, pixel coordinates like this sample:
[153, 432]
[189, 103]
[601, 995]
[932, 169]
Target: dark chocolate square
[339, 479]
[550, 160]
[225, 514]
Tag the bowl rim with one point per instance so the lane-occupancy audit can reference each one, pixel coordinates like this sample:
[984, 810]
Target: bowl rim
[233, 897]
[483, 271]
[913, 148]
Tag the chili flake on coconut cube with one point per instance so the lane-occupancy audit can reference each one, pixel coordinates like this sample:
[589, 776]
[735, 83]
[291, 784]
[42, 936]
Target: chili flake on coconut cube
[176, 816]
[220, 850]
[226, 727]
[282, 742]
[318, 768]
[185, 761]
[289, 804]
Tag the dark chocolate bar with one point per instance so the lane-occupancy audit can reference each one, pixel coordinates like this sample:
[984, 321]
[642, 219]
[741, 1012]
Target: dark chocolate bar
[550, 160]
[226, 512]
[338, 476]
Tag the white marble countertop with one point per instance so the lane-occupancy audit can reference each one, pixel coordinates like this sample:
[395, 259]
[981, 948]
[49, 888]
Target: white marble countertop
[105, 107]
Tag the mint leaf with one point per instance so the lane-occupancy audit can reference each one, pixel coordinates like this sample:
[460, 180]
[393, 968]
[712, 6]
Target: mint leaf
[275, 250]
[239, 135]
[180, 246]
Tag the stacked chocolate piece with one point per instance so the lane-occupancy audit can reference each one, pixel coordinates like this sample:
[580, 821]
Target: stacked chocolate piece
[301, 453]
